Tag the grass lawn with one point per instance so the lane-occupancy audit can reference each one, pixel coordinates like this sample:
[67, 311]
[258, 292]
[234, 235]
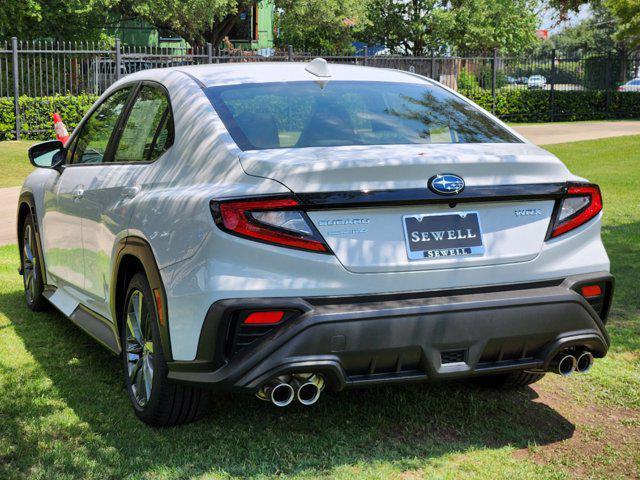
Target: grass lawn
[14, 162]
[64, 411]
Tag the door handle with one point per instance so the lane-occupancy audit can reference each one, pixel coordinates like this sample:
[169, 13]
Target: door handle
[130, 192]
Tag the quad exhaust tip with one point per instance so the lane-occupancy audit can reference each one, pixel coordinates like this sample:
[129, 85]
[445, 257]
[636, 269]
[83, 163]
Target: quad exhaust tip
[283, 390]
[563, 364]
[568, 362]
[584, 362]
[279, 393]
[308, 392]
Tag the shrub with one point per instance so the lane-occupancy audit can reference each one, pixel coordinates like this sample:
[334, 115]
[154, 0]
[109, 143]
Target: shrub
[36, 112]
[523, 105]
[467, 80]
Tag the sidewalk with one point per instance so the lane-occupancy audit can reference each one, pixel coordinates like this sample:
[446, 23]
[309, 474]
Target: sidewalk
[550, 133]
[8, 206]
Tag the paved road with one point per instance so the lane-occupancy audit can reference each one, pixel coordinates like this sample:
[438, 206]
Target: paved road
[549, 133]
[544, 134]
[8, 206]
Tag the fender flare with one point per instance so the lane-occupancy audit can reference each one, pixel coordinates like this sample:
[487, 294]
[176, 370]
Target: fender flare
[27, 198]
[141, 250]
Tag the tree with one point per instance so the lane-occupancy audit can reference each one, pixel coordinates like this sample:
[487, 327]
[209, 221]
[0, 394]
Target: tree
[63, 20]
[593, 34]
[414, 27]
[197, 21]
[419, 27]
[614, 24]
[329, 25]
[482, 25]
[627, 13]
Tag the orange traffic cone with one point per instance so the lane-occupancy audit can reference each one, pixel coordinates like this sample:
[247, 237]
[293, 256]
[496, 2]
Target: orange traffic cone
[61, 129]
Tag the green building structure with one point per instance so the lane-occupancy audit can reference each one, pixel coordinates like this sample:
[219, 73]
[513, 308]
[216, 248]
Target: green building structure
[254, 30]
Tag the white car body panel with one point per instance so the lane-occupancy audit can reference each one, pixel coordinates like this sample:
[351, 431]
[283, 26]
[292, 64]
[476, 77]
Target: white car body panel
[200, 264]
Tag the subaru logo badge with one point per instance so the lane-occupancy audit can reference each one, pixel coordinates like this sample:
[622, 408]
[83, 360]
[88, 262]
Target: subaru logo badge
[446, 184]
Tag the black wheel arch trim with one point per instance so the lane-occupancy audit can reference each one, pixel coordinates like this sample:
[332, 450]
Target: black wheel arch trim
[140, 249]
[27, 198]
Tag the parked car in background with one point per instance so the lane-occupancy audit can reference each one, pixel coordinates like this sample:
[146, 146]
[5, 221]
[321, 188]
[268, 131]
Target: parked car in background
[630, 86]
[511, 80]
[522, 80]
[536, 82]
[280, 228]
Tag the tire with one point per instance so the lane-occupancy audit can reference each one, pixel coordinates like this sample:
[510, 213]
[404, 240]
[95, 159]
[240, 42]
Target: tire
[512, 380]
[31, 273]
[156, 400]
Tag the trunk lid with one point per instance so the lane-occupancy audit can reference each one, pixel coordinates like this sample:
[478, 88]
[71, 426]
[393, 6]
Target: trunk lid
[379, 239]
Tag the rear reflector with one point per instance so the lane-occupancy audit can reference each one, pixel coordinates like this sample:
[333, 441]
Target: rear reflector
[591, 291]
[264, 318]
[158, 297]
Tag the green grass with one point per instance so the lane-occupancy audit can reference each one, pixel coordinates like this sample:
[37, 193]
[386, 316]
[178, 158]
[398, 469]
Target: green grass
[64, 411]
[14, 163]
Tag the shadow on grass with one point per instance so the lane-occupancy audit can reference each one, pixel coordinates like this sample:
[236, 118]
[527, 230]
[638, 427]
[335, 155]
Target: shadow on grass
[80, 423]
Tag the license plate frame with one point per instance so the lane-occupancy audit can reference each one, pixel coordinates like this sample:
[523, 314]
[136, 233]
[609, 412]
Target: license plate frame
[465, 224]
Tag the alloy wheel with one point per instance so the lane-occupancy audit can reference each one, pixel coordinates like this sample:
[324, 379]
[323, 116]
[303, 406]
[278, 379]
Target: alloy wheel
[139, 348]
[29, 264]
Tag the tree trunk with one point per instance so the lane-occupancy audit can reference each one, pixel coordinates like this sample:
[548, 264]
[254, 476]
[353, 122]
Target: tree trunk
[220, 30]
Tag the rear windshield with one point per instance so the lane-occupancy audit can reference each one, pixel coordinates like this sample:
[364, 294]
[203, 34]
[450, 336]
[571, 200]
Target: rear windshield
[338, 113]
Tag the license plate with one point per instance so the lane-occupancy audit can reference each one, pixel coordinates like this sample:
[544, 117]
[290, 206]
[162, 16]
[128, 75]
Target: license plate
[443, 235]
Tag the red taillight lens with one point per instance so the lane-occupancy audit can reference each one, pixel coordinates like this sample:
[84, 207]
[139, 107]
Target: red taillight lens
[591, 291]
[581, 204]
[274, 221]
[264, 318]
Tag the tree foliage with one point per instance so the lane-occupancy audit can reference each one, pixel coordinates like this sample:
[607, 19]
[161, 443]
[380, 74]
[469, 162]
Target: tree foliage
[627, 12]
[63, 20]
[419, 27]
[197, 21]
[325, 25]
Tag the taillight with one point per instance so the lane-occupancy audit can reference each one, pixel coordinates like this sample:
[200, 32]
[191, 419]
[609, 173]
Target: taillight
[269, 220]
[580, 204]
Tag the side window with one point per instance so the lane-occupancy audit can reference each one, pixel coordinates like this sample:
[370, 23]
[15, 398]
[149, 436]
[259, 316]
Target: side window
[94, 138]
[148, 131]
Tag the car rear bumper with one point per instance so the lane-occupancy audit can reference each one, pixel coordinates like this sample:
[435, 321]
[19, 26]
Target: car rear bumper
[420, 336]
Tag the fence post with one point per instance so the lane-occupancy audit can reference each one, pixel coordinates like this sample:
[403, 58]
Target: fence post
[552, 95]
[366, 55]
[494, 78]
[209, 53]
[433, 66]
[16, 87]
[608, 83]
[290, 52]
[118, 59]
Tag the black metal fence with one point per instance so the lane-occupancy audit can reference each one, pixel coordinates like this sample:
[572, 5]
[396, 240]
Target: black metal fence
[50, 69]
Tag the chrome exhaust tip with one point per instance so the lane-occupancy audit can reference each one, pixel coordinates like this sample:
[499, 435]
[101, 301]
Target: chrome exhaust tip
[278, 392]
[309, 393]
[281, 394]
[584, 362]
[563, 364]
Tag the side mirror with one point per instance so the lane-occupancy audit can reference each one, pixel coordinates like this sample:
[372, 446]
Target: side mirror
[49, 154]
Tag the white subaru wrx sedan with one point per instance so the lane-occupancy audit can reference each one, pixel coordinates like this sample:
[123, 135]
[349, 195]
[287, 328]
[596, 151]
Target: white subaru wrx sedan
[283, 228]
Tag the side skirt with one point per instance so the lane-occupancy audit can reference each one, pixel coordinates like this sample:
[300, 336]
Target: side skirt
[92, 323]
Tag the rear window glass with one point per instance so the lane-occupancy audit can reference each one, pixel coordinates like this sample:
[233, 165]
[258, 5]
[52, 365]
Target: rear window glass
[338, 113]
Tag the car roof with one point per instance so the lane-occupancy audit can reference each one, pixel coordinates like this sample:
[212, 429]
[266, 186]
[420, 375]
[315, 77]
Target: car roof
[264, 72]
